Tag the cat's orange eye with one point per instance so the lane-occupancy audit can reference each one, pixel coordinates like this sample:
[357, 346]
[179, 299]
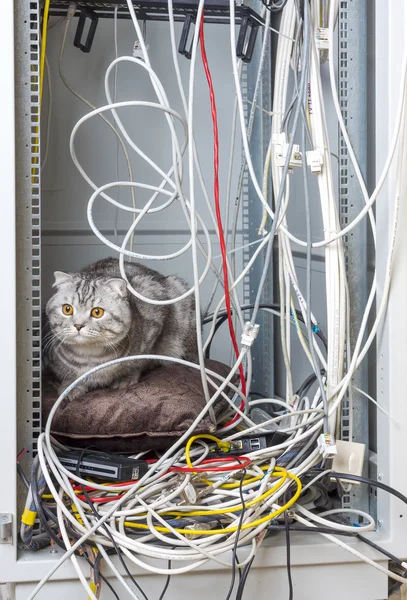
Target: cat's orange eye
[67, 309]
[97, 312]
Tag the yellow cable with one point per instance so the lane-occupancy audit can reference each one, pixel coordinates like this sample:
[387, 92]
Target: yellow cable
[223, 445]
[43, 45]
[235, 528]
[200, 513]
[299, 331]
[265, 186]
[237, 484]
[234, 485]
[36, 144]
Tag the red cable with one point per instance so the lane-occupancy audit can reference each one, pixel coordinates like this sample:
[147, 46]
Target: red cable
[244, 462]
[101, 500]
[218, 213]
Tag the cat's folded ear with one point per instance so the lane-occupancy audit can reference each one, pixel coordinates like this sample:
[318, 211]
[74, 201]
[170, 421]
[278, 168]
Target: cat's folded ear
[61, 278]
[119, 286]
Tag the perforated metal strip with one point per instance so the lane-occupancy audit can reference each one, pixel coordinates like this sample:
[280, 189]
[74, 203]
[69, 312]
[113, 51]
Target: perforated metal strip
[27, 36]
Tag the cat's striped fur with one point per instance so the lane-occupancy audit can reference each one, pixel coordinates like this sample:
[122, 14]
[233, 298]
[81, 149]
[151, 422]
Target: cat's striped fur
[128, 326]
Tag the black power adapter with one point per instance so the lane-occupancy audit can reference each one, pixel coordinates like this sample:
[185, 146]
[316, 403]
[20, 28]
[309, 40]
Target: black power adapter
[102, 465]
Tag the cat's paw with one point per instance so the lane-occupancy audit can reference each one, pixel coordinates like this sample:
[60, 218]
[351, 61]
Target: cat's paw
[77, 392]
[126, 382]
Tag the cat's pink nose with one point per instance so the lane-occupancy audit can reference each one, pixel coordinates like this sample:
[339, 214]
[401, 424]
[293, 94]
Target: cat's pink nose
[78, 326]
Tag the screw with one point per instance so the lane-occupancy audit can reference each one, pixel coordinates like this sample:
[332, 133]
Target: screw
[53, 550]
[379, 476]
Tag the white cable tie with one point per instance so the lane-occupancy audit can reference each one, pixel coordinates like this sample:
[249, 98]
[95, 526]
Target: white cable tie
[270, 113]
[249, 334]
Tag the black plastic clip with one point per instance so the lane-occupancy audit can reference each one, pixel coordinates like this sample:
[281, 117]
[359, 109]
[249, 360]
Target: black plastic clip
[86, 13]
[245, 43]
[185, 47]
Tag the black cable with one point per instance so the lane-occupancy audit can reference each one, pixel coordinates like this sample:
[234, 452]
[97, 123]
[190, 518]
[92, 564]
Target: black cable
[305, 386]
[240, 589]
[222, 317]
[167, 582]
[288, 554]
[371, 482]
[96, 567]
[239, 527]
[91, 506]
[304, 529]
[379, 549]
[23, 476]
[42, 511]
[386, 488]
[274, 7]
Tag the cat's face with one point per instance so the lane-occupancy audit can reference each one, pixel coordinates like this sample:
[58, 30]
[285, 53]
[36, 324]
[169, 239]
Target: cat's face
[89, 312]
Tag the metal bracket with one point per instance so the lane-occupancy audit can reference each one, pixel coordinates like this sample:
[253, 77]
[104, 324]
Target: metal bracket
[183, 43]
[86, 13]
[6, 528]
[246, 40]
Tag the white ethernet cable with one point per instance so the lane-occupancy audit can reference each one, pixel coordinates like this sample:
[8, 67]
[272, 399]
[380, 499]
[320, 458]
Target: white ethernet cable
[70, 14]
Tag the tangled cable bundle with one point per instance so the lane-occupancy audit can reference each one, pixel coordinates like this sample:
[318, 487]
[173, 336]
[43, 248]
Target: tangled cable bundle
[202, 497]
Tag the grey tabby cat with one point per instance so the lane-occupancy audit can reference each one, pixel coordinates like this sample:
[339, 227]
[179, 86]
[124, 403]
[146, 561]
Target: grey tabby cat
[92, 318]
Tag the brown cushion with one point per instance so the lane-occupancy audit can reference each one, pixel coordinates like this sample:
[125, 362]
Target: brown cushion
[150, 415]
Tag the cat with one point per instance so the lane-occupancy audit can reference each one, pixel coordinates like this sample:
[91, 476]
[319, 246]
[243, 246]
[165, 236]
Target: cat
[93, 318]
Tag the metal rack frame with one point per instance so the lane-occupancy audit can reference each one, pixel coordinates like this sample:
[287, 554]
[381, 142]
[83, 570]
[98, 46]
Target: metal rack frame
[306, 553]
[216, 11]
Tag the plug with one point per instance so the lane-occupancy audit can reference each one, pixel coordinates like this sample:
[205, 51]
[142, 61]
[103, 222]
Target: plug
[249, 334]
[322, 38]
[281, 150]
[327, 445]
[197, 527]
[71, 11]
[315, 161]
[137, 51]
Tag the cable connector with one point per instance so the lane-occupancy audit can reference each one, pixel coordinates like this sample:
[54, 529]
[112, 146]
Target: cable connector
[137, 50]
[327, 445]
[262, 232]
[281, 149]
[315, 161]
[198, 527]
[249, 334]
[189, 495]
[71, 11]
[322, 38]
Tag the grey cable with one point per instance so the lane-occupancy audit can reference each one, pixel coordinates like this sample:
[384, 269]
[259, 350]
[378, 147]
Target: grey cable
[302, 87]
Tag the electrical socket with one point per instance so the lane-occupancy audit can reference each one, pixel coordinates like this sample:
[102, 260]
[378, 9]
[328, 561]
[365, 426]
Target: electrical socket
[349, 458]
